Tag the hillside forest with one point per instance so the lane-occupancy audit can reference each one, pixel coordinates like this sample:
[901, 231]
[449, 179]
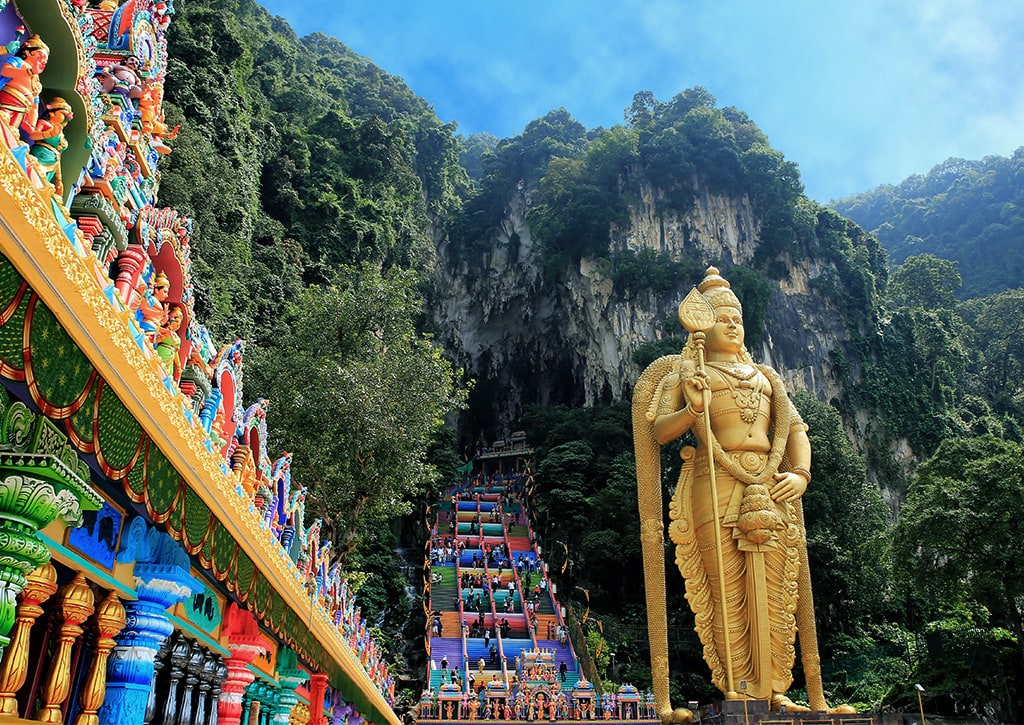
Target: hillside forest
[324, 194]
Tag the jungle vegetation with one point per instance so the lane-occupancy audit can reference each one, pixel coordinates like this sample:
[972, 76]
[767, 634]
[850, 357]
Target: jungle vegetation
[968, 212]
[319, 186]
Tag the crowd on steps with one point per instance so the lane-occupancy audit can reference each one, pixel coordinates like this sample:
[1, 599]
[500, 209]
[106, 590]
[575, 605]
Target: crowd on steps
[498, 643]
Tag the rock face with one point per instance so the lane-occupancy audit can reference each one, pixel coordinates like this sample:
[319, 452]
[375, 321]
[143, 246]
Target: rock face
[572, 341]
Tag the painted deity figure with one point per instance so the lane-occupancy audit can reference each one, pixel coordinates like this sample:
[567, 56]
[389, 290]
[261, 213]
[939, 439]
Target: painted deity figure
[167, 342]
[20, 87]
[49, 141]
[736, 517]
[122, 78]
[152, 311]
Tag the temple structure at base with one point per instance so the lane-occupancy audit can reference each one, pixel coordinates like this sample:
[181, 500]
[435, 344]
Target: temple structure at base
[155, 563]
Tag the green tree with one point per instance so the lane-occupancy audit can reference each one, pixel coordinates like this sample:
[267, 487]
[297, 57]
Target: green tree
[998, 324]
[955, 539]
[358, 397]
[926, 281]
[848, 528]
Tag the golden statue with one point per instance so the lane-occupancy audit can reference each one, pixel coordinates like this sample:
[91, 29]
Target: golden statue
[740, 515]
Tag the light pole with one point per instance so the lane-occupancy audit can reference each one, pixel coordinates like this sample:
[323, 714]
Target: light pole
[919, 703]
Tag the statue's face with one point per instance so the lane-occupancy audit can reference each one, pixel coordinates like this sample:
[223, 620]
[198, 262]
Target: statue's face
[36, 59]
[726, 335]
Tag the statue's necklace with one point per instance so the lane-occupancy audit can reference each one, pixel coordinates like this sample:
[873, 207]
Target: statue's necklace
[740, 371]
[747, 394]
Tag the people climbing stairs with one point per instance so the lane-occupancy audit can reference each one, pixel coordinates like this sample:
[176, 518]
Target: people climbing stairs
[497, 641]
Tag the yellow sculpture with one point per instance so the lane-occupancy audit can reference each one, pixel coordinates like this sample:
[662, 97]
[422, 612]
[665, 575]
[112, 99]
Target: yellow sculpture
[736, 511]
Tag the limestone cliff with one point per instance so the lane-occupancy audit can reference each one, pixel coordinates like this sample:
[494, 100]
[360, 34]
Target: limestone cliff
[572, 341]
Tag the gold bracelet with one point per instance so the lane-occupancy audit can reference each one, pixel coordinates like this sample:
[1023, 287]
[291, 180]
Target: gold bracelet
[802, 471]
[695, 413]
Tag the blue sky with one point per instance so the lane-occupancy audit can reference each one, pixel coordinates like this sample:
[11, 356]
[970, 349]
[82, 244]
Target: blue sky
[858, 93]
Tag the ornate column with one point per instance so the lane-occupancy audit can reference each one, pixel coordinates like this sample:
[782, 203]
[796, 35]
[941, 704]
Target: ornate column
[247, 701]
[317, 690]
[179, 657]
[205, 685]
[162, 579]
[245, 642]
[219, 677]
[110, 621]
[262, 700]
[193, 669]
[42, 584]
[34, 490]
[289, 676]
[129, 266]
[76, 605]
[158, 666]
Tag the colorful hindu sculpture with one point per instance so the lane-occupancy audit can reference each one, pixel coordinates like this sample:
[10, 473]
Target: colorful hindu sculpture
[152, 312]
[50, 142]
[167, 342]
[20, 87]
[140, 513]
[736, 508]
[122, 78]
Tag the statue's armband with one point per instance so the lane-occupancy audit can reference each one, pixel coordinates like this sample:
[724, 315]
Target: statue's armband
[671, 398]
[796, 421]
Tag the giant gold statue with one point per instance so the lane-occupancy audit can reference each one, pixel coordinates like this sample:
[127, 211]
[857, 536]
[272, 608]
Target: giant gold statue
[736, 508]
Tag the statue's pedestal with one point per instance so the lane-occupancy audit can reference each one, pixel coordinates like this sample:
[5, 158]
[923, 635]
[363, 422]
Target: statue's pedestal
[733, 712]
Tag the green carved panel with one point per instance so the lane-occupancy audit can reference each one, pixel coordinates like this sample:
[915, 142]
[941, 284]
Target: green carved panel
[79, 425]
[12, 362]
[289, 625]
[10, 282]
[196, 519]
[119, 435]
[135, 482]
[162, 483]
[261, 601]
[277, 610]
[206, 553]
[223, 549]
[61, 374]
[244, 571]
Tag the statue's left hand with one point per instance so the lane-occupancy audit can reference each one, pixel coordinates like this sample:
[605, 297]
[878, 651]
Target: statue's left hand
[789, 486]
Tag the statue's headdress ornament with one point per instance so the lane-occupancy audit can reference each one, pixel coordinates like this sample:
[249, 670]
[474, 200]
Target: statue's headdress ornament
[161, 280]
[59, 104]
[717, 290]
[34, 42]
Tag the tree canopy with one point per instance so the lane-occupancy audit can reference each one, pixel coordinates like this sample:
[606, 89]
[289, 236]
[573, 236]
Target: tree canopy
[969, 212]
[358, 397]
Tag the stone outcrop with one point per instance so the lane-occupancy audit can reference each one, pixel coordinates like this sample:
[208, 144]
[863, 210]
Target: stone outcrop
[572, 340]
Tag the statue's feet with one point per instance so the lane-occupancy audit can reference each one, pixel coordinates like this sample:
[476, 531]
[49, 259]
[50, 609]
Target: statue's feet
[842, 710]
[677, 716]
[779, 701]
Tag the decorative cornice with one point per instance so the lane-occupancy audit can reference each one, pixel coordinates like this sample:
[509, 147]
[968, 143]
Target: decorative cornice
[66, 281]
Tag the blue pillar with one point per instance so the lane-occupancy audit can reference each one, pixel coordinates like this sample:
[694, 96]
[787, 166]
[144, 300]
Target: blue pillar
[162, 579]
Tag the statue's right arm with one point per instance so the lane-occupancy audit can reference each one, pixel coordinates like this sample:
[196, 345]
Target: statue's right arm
[674, 416]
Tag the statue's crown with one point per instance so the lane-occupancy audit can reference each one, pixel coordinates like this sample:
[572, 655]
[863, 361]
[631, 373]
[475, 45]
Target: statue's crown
[34, 42]
[717, 290]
